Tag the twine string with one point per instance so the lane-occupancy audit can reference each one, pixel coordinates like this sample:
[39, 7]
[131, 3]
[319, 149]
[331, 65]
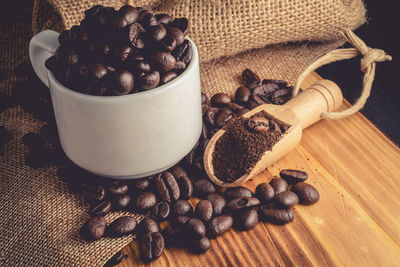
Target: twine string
[368, 64]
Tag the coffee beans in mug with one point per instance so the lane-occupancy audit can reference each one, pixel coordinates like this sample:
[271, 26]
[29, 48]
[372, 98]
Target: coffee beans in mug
[122, 226]
[293, 176]
[151, 246]
[307, 193]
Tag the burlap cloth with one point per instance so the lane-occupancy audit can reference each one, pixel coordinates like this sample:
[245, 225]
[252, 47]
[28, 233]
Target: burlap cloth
[40, 217]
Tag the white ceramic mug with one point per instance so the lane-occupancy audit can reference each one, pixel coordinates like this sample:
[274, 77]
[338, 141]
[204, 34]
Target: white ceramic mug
[129, 136]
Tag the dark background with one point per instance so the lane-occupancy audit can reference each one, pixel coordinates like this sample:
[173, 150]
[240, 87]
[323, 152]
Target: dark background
[381, 31]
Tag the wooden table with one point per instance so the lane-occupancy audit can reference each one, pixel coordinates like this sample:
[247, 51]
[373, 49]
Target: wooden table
[356, 222]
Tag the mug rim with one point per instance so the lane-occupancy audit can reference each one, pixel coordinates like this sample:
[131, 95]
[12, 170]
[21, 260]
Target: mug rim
[157, 90]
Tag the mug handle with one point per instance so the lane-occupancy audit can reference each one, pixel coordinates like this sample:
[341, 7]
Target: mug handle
[42, 46]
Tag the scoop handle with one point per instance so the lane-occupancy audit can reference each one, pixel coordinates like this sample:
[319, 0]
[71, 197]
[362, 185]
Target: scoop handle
[322, 96]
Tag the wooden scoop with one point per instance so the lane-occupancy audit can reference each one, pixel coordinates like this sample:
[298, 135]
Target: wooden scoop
[300, 112]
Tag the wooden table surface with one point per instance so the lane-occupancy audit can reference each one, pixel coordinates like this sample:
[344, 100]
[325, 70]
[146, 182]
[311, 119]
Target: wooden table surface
[355, 223]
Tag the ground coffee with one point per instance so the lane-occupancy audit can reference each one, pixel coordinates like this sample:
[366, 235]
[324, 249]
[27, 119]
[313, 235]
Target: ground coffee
[241, 146]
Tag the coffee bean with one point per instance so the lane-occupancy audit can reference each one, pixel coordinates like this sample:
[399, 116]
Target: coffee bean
[145, 201]
[115, 260]
[124, 82]
[242, 111]
[203, 98]
[183, 52]
[129, 14]
[142, 67]
[122, 53]
[194, 228]
[148, 20]
[94, 228]
[265, 90]
[237, 192]
[293, 176]
[179, 221]
[157, 32]
[307, 193]
[219, 225]
[182, 24]
[140, 184]
[149, 80]
[218, 203]
[164, 60]
[209, 116]
[117, 188]
[94, 193]
[101, 209]
[151, 246]
[246, 220]
[249, 77]
[176, 34]
[160, 211]
[185, 186]
[258, 124]
[265, 193]
[164, 18]
[180, 66]
[178, 172]
[204, 210]
[242, 95]
[133, 31]
[280, 83]
[200, 246]
[121, 202]
[223, 116]
[276, 216]
[286, 199]
[168, 44]
[169, 76]
[147, 225]
[243, 203]
[122, 226]
[279, 185]
[97, 71]
[182, 207]
[203, 187]
[220, 100]
[166, 187]
[119, 22]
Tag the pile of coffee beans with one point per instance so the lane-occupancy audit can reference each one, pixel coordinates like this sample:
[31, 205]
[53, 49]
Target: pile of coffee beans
[118, 52]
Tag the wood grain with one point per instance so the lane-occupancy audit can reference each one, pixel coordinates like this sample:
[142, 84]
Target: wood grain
[356, 222]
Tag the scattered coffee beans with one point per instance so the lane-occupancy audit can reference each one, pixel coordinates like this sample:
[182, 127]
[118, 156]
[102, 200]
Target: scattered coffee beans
[160, 211]
[182, 208]
[115, 260]
[204, 210]
[293, 176]
[151, 246]
[147, 225]
[279, 185]
[218, 203]
[286, 199]
[145, 201]
[237, 192]
[307, 193]
[122, 226]
[94, 228]
[276, 216]
[219, 225]
[118, 52]
[246, 220]
[265, 193]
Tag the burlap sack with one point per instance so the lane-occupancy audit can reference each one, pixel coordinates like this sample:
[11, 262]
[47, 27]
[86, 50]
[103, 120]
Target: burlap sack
[40, 217]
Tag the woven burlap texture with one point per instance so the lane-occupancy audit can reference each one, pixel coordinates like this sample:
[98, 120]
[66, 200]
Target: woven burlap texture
[223, 28]
[40, 217]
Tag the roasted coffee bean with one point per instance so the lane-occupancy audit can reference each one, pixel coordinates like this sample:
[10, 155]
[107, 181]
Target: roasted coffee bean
[160, 211]
[293, 176]
[176, 34]
[194, 228]
[122, 226]
[115, 260]
[129, 13]
[149, 80]
[218, 203]
[119, 22]
[200, 246]
[94, 193]
[148, 20]
[258, 124]
[121, 54]
[169, 76]
[237, 192]
[145, 201]
[246, 220]
[275, 216]
[178, 172]
[180, 66]
[249, 77]
[281, 92]
[140, 184]
[124, 82]
[209, 116]
[133, 31]
[242, 95]
[265, 90]
[198, 164]
[179, 221]
[203, 187]
[219, 225]
[101, 209]
[220, 100]
[157, 32]
[168, 44]
[204, 210]
[234, 107]
[265, 193]
[97, 71]
[185, 186]
[223, 116]
[242, 111]
[279, 185]
[243, 203]
[166, 187]
[164, 61]
[182, 24]
[164, 18]
[151, 246]
[121, 202]
[203, 98]
[307, 193]
[117, 188]
[182, 207]
[147, 225]
[94, 228]
[142, 67]
[280, 83]
[138, 43]
[286, 199]
[183, 52]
